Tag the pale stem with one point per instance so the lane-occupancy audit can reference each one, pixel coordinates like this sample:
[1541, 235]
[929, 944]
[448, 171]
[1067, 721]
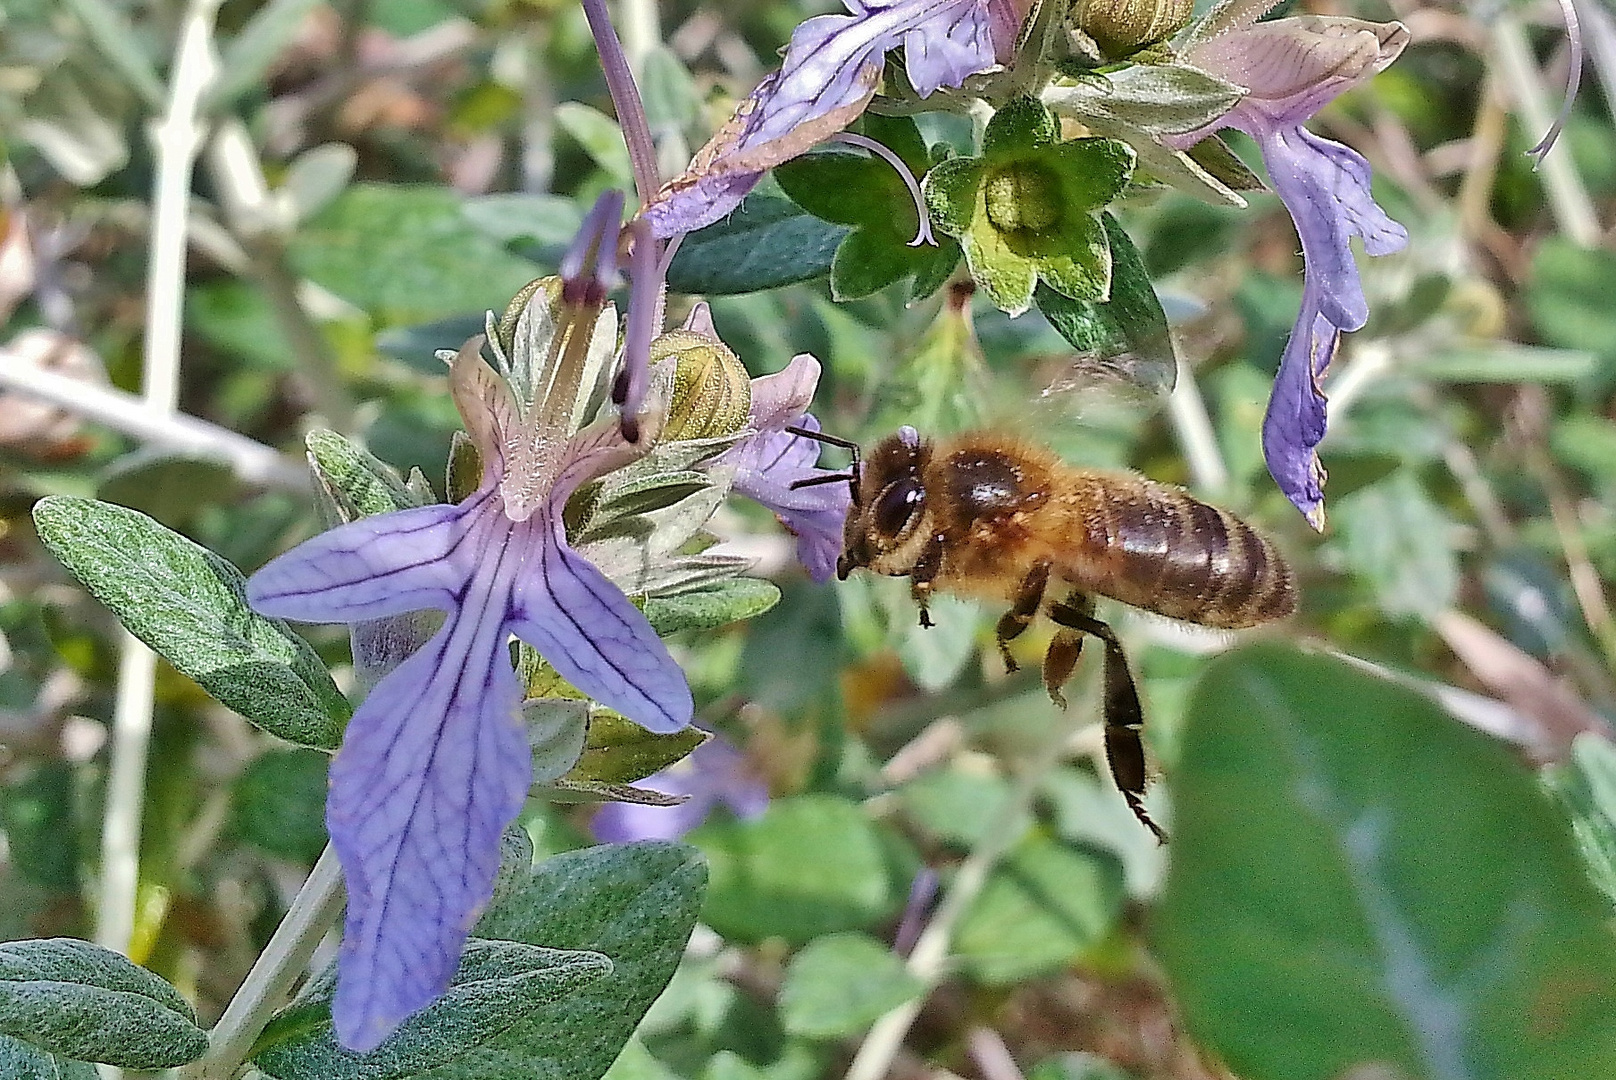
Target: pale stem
[1568, 199]
[176, 140]
[313, 913]
[126, 413]
[238, 173]
[928, 960]
[1193, 427]
[642, 32]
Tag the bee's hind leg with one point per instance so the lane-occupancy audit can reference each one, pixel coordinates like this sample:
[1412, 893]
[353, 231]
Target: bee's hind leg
[1029, 597]
[1124, 718]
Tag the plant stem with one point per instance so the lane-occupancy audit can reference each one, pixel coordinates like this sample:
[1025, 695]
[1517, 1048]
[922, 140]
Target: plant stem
[1187, 410]
[626, 99]
[1568, 199]
[314, 911]
[930, 955]
[124, 412]
[176, 139]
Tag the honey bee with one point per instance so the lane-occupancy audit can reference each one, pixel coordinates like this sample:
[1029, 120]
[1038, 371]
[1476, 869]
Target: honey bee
[999, 518]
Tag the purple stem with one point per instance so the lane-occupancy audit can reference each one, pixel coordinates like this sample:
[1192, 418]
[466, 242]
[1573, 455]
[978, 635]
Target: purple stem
[644, 306]
[625, 99]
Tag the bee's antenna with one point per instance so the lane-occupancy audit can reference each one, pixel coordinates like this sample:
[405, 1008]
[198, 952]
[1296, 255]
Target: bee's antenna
[852, 475]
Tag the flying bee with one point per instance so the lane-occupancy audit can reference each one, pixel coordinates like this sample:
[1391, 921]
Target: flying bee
[995, 517]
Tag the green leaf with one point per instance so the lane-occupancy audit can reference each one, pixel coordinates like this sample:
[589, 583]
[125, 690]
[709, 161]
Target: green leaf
[600, 137]
[190, 606]
[1021, 124]
[359, 484]
[1587, 785]
[840, 984]
[84, 1002]
[619, 751]
[1568, 296]
[1356, 877]
[1126, 335]
[633, 903]
[406, 254]
[957, 806]
[1044, 904]
[279, 803]
[767, 243]
[41, 830]
[713, 606]
[250, 53]
[810, 865]
[1401, 544]
[614, 920]
[498, 985]
[1076, 1066]
[172, 488]
[1148, 99]
[1503, 362]
[556, 729]
[1587, 444]
[868, 194]
[19, 1061]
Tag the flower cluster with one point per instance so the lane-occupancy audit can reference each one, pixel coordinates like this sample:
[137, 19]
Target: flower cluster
[436, 761]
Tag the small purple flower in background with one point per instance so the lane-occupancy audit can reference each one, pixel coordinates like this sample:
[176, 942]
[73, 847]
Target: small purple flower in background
[1290, 69]
[714, 774]
[770, 460]
[829, 75]
[436, 761]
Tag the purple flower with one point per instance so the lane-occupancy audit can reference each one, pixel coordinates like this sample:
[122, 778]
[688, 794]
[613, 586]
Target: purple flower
[771, 464]
[436, 762]
[829, 75]
[714, 774]
[1290, 69]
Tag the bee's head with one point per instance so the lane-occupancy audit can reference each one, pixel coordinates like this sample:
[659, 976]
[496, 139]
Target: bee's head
[885, 528]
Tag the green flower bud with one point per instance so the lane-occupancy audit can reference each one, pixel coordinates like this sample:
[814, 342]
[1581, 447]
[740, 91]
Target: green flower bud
[1023, 197]
[1121, 27]
[712, 392]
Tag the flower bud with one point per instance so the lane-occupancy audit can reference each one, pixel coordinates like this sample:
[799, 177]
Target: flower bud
[712, 392]
[1121, 27]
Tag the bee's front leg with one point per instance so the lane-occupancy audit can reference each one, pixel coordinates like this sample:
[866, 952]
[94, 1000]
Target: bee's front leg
[925, 571]
[1029, 596]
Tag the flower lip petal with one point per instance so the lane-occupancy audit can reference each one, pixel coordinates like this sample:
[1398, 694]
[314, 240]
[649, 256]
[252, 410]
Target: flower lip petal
[433, 766]
[595, 639]
[372, 568]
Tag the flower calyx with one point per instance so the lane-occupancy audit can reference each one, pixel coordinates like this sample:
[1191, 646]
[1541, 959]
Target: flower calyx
[1026, 210]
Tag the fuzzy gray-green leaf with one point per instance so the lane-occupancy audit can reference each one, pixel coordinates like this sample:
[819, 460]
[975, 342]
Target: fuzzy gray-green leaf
[190, 606]
[87, 1003]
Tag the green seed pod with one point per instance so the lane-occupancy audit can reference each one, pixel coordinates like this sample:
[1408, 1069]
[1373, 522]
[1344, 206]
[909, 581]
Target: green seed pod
[712, 392]
[1121, 27]
[1023, 197]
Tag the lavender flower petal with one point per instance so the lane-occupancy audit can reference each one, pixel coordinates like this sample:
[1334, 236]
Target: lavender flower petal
[433, 766]
[1295, 421]
[714, 774]
[955, 43]
[595, 639]
[368, 569]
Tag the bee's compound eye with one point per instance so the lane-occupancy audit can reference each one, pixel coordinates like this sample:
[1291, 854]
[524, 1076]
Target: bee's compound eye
[896, 505]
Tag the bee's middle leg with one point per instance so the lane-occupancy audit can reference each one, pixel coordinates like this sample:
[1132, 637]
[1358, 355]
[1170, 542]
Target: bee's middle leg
[925, 571]
[1029, 597]
[1124, 718]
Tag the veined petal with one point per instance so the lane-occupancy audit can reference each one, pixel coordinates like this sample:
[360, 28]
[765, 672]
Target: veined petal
[1295, 422]
[589, 632]
[955, 43]
[779, 399]
[434, 764]
[368, 569]
[1325, 186]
